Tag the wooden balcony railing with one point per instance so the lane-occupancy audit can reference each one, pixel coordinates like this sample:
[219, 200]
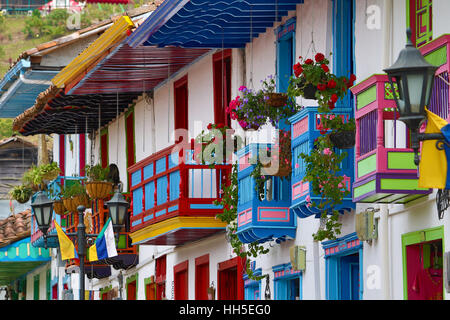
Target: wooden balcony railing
[163, 186]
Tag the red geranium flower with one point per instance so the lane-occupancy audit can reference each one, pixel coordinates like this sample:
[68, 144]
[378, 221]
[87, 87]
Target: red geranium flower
[321, 87]
[209, 127]
[331, 105]
[334, 97]
[309, 61]
[325, 68]
[320, 57]
[331, 84]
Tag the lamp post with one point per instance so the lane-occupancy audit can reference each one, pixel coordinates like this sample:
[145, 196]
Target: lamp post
[43, 210]
[413, 77]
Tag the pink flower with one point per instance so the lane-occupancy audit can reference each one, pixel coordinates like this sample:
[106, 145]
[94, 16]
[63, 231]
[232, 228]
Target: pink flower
[308, 199]
[327, 151]
[221, 191]
[297, 166]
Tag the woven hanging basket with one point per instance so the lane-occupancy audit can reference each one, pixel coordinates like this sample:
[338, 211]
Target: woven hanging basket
[50, 176]
[69, 204]
[277, 100]
[59, 208]
[99, 189]
[82, 200]
[343, 139]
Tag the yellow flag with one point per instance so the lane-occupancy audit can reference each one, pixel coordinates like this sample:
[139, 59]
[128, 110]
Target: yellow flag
[433, 162]
[66, 245]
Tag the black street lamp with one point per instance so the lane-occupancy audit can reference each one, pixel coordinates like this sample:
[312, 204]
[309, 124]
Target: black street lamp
[118, 208]
[43, 210]
[413, 76]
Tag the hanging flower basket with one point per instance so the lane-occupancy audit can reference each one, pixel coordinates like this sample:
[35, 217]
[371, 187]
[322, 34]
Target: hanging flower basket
[344, 139]
[277, 100]
[81, 200]
[70, 205]
[99, 189]
[59, 208]
[309, 90]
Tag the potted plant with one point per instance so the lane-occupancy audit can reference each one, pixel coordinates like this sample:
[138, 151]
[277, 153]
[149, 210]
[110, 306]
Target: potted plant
[74, 195]
[218, 137]
[58, 207]
[21, 194]
[33, 178]
[343, 133]
[49, 171]
[98, 186]
[250, 110]
[313, 80]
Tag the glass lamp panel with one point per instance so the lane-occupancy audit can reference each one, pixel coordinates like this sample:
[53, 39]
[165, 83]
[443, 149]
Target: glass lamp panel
[113, 213]
[415, 87]
[38, 214]
[122, 212]
[47, 210]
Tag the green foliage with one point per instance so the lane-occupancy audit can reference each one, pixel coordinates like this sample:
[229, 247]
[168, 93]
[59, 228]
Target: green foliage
[36, 176]
[6, 126]
[96, 173]
[21, 193]
[75, 188]
[54, 24]
[229, 201]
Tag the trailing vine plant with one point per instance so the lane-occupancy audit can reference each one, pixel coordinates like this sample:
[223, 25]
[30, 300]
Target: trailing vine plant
[323, 165]
[229, 201]
[206, 144]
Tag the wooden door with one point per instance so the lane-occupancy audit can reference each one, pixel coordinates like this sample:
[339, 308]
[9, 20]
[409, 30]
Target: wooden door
[201, 278]
[181, 281]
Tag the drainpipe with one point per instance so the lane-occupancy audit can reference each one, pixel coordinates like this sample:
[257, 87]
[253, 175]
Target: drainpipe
[384, 211]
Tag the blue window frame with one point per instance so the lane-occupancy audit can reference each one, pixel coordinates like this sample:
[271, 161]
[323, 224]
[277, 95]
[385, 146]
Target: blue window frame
[287, 282]
[252, 288]
[343, 268]
[285, 53]
[344, 42]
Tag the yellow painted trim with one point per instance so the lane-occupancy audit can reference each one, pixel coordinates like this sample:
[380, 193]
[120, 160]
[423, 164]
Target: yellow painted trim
[172, 224]
[113, 35]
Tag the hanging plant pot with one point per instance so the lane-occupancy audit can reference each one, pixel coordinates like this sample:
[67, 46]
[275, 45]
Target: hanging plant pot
[99, 189]
[81, 200]
[59, 208]
[69, 204]
[277, 100]
[309, 91]
[344, 139]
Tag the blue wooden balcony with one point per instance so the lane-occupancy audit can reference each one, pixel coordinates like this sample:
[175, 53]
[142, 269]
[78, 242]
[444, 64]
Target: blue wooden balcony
[305, 129]
[266, 216]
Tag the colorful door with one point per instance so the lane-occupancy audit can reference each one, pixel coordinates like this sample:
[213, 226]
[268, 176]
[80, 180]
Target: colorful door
[181, 281]
[230, 280]
[423, 264]
[285, 54]
[201, 277]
